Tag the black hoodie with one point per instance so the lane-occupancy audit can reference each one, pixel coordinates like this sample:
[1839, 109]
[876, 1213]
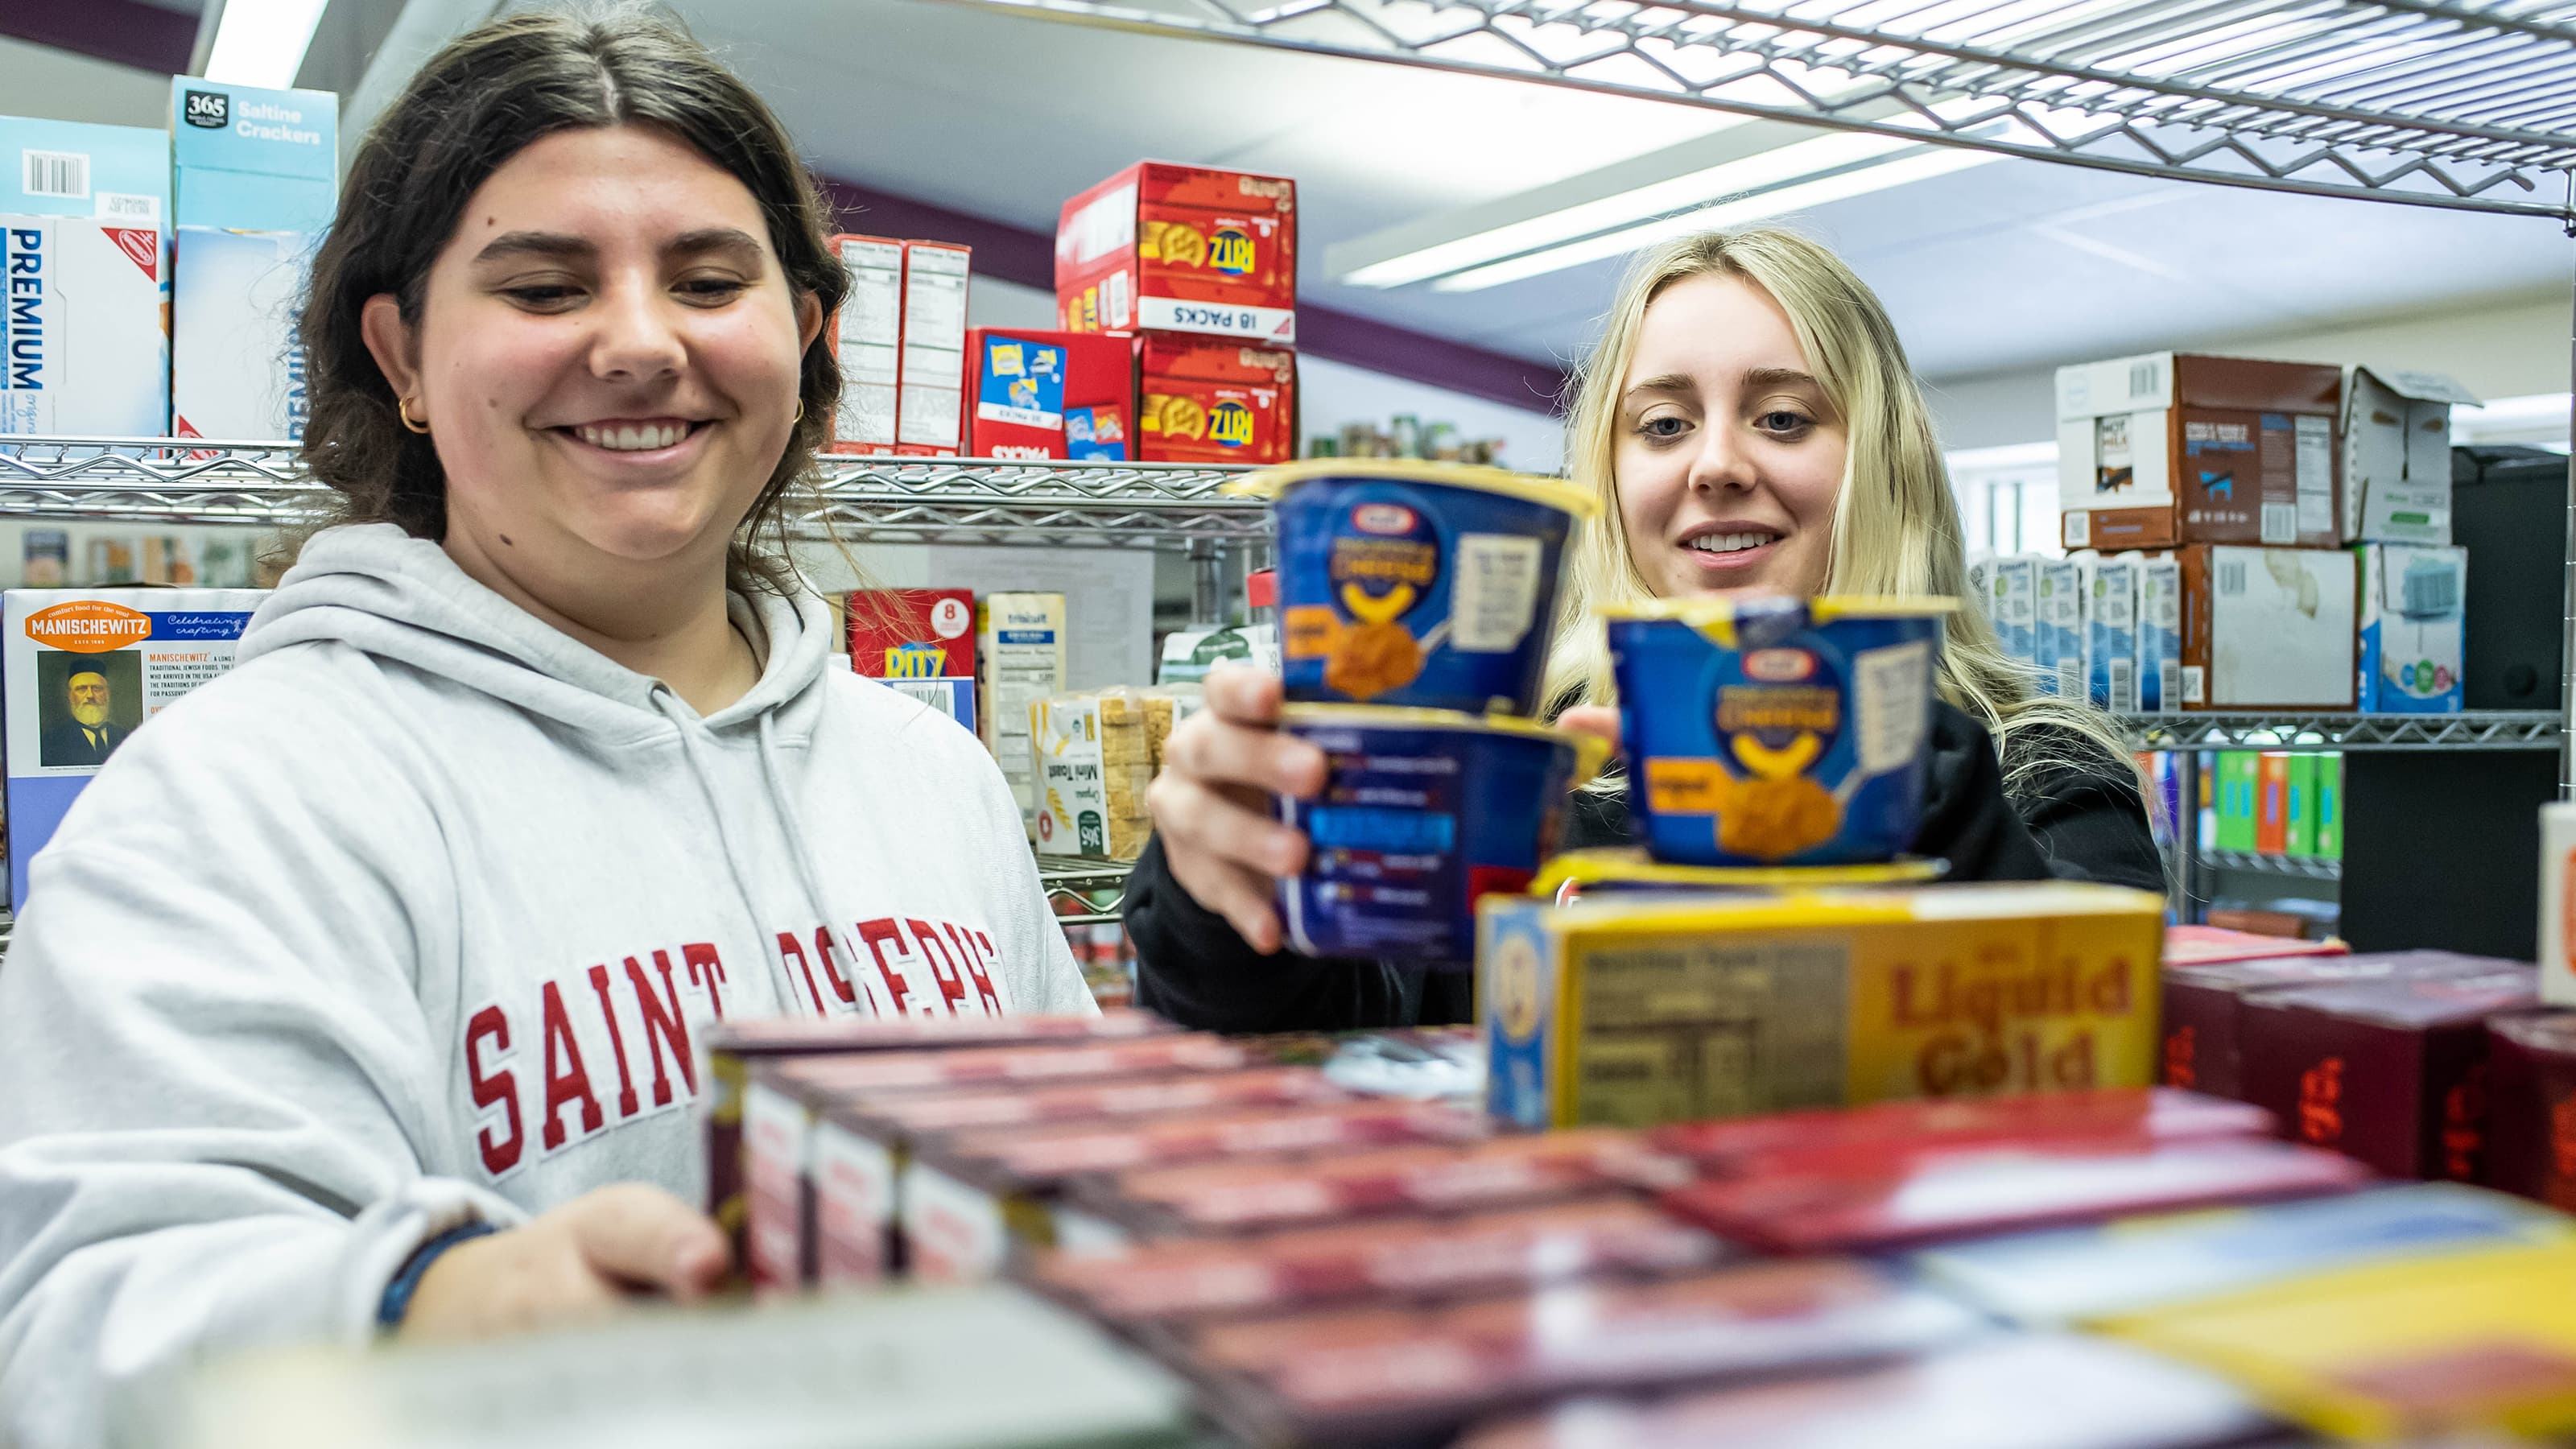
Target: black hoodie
[2072, 822]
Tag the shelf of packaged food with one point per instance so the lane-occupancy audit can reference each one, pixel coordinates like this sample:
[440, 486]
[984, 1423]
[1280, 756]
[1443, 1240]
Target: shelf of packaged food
[2474, 730]
[2302, 867]
[893, 500]
[2436, 103]
[1082, 880]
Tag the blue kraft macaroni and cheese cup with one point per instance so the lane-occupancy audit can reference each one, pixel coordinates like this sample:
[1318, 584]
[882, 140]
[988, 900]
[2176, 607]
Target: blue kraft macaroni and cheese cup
[1422, 813]
[1417, 585]
[1771, 730]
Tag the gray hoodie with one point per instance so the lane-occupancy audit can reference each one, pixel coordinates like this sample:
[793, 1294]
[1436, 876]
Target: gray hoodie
[423, 913]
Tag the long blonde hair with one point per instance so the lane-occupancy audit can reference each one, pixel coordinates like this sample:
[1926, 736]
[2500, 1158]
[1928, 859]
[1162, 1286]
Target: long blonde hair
[1895, 524]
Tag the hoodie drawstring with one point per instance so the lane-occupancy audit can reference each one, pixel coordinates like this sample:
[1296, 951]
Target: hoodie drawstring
[799, 851]
[668, 704]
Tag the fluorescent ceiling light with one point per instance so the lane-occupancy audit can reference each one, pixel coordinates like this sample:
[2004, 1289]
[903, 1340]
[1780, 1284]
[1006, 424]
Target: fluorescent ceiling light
[262, 42]
[1920, 164]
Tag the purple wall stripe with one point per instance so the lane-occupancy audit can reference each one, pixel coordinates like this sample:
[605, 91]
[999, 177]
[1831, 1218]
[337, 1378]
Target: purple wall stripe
[1027, 258]
[124, 31]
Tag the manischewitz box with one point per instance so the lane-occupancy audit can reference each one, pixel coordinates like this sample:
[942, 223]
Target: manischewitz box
[1642, 1011]
[80, 670]
[254, 183]
[84, 279]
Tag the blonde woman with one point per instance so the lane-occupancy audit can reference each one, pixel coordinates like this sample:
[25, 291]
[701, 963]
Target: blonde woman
[1750, 422]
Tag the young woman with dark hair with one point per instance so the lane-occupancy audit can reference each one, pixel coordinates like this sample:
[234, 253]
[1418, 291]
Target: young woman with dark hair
[366, 988]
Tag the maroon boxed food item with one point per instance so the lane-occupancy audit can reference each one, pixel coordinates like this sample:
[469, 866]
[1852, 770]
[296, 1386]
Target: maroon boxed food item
[966, 1197]
[1756, 1144]
[1420, 1259]
[1364, 1376]
[2202, 1025]
[735, 1045]
[2037, 1391]
[2385, 1070]
[1237, 1197]
[2531, 1105]
[2187, 945]
[1939, 1193]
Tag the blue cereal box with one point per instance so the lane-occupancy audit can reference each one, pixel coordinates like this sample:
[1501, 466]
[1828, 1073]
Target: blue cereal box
[1775, 730]
[80, 670]
[1420, 585]
[2414, 627]
[253, 185]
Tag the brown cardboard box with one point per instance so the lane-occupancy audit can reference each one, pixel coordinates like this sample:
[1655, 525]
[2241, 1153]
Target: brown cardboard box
[2267, 628]
[2170, 448]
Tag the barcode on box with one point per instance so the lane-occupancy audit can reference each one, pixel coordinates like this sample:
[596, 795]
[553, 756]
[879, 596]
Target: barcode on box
[2231, 578]
[2280, 523]
[55, 173]
[2144, 379]
[2124, 687]
[2191, 684]
[2079, 530]
[2168, 685]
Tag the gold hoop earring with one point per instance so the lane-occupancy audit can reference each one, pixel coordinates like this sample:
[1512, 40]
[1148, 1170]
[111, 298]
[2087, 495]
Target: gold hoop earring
[800, 411]
[403, 407]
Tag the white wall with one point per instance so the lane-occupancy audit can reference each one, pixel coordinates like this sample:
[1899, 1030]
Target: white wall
[63, 86]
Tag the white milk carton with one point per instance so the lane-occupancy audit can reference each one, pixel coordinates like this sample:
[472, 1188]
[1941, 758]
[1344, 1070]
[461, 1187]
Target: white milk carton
[2159, 635]
[2111, 631]
[2060, 634]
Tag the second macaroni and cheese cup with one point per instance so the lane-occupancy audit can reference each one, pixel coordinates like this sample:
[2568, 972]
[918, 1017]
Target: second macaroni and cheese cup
[1771, 730]
[1423, 812]
[1417, 585]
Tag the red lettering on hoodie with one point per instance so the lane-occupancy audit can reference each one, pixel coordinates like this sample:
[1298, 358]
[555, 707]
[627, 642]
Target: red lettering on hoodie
[793, 951]
[666, 1026]
[876, 933]
[974, 960]
[494, 1088]
[567, 1080]
[702, 954]
[627, 1104]
[832, 969]
[943, 967]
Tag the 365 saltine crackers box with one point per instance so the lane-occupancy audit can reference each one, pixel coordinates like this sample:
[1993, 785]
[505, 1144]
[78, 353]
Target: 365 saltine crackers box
[1214, 402]
[1642, 1011]
[1094, 759]
[1165, 248]
[80, 670]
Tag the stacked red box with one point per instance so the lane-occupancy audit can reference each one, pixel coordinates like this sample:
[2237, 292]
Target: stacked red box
[1202, 401]
[1034, 394]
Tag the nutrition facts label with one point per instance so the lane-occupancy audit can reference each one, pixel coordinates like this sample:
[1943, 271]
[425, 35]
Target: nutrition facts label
[1493, 593]
[1681, 1029]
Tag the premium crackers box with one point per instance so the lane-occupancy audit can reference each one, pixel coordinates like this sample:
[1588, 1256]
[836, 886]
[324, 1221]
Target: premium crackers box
[1641, 1011]
[1166, 248]
[1203, 401]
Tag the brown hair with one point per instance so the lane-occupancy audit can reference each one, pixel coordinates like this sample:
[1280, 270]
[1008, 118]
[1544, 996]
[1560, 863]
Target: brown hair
[491, 93]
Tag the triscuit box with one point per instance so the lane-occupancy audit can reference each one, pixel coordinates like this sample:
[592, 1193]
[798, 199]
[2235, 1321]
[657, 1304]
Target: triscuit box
[1020, 647]
[254, 183]
[2060, 633]
[2111, 631]
[1094, 759]
[2171, 448]
[2397, 455]
[1644, 1011]
[2267, 628]
[867, 337]
[2159, 635]
[84, 327]
[930, 413]
[80, 670]
[2012, 602]
[2414, 627]
[1166, 248]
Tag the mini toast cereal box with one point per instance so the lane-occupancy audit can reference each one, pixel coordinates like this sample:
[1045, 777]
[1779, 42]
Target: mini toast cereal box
[1214, 402]
[1166, 248]
[1645, 1010]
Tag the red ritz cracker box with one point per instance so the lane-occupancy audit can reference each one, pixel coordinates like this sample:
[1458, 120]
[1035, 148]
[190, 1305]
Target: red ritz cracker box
[1166, 248]
[1751, 1146]
[1867, 1203]
[1214, 402]
[738, 1044]
[2201, 1049]
[2013, 1391]
[2390, 1071]
[2531, 1105]
[1241, 1197]
[1050, 395]
[1375, 1375]
[861, 1143]
[913, 633]
[968, 1198]
[1417, 1259]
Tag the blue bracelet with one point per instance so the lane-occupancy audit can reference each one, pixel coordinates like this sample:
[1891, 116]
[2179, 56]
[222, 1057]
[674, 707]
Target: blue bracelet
[397, 1300]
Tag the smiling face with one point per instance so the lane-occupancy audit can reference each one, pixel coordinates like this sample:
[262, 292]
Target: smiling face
[1727, 455]
[607, 356]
